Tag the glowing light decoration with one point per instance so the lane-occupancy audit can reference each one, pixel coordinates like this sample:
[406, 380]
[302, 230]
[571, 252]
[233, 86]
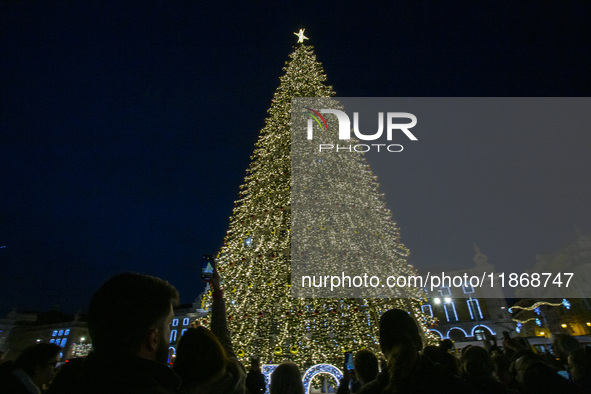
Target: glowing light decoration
[536, 309]
[427, 309]
[301, 36]
[453, 309]
[539, 322]
[317, 370]
[457, 328]
[482, 325]
[534, 306]
[525, 321]
[255, 259]
[566, 303]
[267, 370]
[313, 371]
[479, 310]
[470, 309]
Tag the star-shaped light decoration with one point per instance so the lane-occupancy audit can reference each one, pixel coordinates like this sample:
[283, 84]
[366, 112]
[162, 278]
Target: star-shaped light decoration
[301, 36]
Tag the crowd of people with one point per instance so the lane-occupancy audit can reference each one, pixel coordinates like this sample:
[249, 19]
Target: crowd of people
[129, 322]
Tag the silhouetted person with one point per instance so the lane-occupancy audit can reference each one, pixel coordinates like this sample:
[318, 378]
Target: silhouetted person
[286, 379]
[512, 347]
[408, 371]
[541, 377]
[500, 370]
[255, 380]
[365, 369]
[477, 370]
[579, 363]
[447, 345]
[366, 366]
[205, 359]
[440, 355]
[348, 383]
[562, 346]
[68, 371]
[129, 321]
[32, 371]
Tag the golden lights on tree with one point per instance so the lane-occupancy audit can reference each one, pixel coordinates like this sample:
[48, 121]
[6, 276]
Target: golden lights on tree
[255, 261]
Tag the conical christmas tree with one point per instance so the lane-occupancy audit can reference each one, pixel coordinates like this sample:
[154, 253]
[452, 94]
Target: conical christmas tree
[255, 261]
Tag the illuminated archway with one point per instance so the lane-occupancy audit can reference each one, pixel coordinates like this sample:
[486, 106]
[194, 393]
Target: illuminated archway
[320, 369]
[267, 371]
[437, 332]
[457, 334]
[308, 376]
[482, 327]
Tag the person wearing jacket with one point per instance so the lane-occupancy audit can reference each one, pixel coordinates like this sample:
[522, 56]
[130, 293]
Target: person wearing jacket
[205, 359]
[407, 370]
[33, 369]
[129, 321]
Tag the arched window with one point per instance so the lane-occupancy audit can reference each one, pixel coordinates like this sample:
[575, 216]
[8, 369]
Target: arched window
[480, 332]
[427, 309]
[457, 335]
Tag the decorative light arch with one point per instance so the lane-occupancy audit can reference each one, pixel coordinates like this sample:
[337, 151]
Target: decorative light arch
[482, 325]
[320, 369]
[458, 328]
[308, 376]
[267, 371]
[438, 333]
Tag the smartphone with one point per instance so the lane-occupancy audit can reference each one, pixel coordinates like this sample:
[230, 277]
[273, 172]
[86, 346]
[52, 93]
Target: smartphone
[349, 361]
[207, 266]
[564, 374]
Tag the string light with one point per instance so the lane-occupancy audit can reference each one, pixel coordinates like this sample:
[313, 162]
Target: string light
[526, 320]
[534, 306]
[255, 259]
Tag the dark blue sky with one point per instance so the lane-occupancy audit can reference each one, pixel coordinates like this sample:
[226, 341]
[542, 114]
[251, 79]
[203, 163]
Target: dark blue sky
[126, 127]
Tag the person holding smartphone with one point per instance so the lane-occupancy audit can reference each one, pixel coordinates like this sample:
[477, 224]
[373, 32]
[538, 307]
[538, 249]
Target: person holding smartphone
[348, 384]
[359, 370]
[207, 267]
[205, 359]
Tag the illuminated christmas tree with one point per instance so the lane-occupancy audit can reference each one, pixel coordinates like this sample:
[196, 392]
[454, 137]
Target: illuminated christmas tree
[255, 261]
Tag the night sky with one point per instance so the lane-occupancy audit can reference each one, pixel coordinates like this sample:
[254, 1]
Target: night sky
[126, 127]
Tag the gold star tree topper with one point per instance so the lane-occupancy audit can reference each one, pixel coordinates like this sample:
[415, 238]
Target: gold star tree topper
[301, 36]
